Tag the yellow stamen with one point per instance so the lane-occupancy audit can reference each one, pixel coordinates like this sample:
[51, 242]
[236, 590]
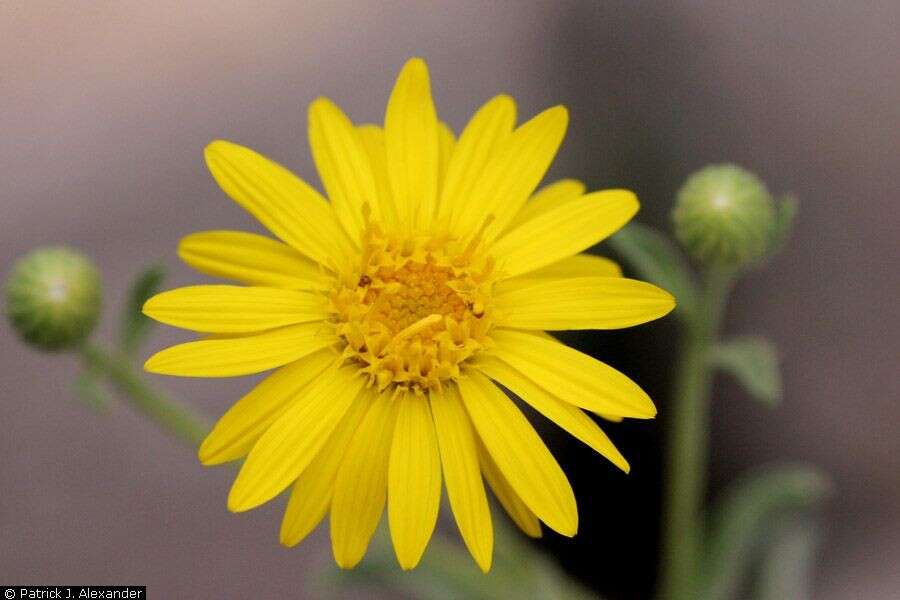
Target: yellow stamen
[415, 309]
[418, 326]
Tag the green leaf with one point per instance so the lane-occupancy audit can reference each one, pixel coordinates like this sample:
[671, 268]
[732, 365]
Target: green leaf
[744, 518]
[135, 326]
[753, 361]
[658, 260]
[787, 566]
[447, 571]
[785, 213]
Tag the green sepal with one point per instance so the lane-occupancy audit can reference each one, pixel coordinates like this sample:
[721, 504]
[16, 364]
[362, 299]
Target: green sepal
[783, 224]
[744, 519]
[753, 361]
[658, 260]
[136, 326]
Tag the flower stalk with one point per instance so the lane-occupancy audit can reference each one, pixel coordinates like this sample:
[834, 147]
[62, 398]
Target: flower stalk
[687, 452]
[183, 423]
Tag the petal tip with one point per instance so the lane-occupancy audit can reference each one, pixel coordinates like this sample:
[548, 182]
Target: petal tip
[151, 365]
[238, 502]
[633, 201]
[416, 63]
[407, 565]
[321, 103]
[206, 454]
[414, 70]
[484, 561]
[150, 306]
[669, 306]
[559, 111]
[505, 105]
[216, 146]
[286, 539]
[240, 497]
[346, 562]
[506, 100]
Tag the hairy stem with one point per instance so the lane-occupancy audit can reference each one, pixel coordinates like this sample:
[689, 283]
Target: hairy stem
[136, 391]
[687, 451]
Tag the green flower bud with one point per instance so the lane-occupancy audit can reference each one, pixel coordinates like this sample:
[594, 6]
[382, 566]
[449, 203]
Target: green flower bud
[53, 298]
[724, 216]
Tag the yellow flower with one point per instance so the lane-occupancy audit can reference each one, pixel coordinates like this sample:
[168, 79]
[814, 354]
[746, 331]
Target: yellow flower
[388, 312]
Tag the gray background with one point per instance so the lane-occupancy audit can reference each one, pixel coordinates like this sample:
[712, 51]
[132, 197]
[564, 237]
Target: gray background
[105, 108]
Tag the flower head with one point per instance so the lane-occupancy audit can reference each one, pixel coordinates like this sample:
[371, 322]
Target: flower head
[391, 308]
[53, 298]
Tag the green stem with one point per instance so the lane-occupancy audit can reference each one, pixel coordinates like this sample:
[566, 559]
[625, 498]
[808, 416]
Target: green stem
[178, 420]
[687, 451]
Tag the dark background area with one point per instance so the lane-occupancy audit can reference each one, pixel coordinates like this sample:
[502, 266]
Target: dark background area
[106, 109]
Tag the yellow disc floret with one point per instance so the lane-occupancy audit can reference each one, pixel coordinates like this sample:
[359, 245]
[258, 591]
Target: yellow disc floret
[416, 308]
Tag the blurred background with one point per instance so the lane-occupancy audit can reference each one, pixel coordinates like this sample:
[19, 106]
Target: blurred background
[106, 107]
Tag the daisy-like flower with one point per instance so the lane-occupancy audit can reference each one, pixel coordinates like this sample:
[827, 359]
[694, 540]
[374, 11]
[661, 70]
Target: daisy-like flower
[392, 309]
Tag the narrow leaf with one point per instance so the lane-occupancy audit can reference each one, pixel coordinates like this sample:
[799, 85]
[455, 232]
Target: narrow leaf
[136, 326]
[787, 566]
[743, 520]
[447, 571]
[753, 361]
[659, 261]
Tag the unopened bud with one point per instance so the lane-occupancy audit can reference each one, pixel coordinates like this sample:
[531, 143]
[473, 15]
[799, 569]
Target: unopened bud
[724, 216]
[53, 298]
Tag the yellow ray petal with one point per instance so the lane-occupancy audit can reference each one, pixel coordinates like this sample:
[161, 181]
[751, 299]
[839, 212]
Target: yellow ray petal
[446, 144]
[286, 205]
[372, 137]
[242, 355]
[547, 198]
[288, 446]
[488, 129]
[360, 489]
[571, 375]
[509, 500]
[569, 417]
[462, 475]
[581, 303]
[252, 259]
[573, 226]
[343, 165]
[580, 265]
[411, 140]
[235, 309]
[514, 171]
[414, 480]
[235, 433]
[520, 454]
[312, 493]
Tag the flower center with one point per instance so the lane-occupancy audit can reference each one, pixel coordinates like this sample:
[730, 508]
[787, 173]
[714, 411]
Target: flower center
[416, 309]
